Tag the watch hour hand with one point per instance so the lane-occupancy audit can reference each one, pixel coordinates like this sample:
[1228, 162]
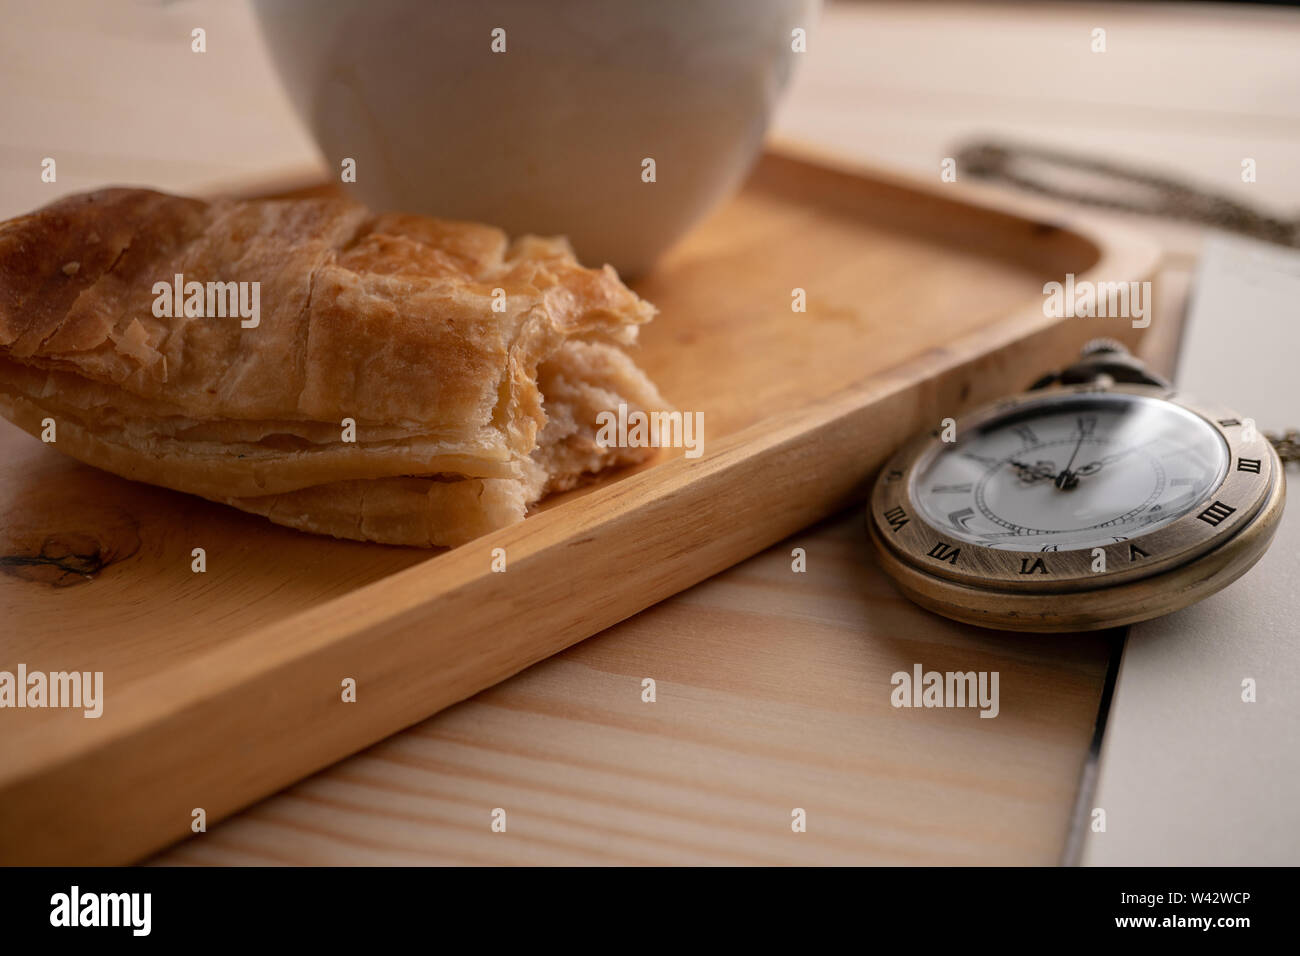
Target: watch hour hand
[1031, 473]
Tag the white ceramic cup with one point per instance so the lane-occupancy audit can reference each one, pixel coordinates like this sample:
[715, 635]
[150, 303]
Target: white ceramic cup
[552, 135]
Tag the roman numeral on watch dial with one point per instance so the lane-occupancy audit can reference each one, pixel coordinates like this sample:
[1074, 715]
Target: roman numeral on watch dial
[943, 552]
[1038, 567]
[1215, 514]
[1026, 434]
[1249, 464]
[896, 517]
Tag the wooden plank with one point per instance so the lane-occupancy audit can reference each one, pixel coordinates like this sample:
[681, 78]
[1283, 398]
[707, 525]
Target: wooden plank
[772, 692]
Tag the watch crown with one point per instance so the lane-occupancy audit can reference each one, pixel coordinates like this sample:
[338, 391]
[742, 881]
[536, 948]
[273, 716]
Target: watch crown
[1103, 345]
[1103, 358]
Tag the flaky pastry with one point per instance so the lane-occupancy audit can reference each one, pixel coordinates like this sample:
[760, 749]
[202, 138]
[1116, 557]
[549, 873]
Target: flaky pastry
[472, 368]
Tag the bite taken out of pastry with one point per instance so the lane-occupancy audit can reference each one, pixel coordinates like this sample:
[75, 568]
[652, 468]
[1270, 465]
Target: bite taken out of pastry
[387, 378]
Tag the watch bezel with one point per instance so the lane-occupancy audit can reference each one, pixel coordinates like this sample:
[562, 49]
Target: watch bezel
[1183, 540]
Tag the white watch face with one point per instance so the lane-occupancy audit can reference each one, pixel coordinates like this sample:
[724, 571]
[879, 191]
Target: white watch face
[1071, 473]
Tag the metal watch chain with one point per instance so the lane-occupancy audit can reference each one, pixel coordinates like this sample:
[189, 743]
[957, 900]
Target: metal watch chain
[1122, 187]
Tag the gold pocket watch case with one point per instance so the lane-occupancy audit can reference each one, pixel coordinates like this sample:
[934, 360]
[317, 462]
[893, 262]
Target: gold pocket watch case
[1076, 507]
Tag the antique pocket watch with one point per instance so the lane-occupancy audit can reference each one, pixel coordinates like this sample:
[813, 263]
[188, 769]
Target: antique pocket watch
[1095, 499]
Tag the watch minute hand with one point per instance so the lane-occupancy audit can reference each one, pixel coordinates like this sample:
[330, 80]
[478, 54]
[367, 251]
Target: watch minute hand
[1068, 479]
[1095, 466]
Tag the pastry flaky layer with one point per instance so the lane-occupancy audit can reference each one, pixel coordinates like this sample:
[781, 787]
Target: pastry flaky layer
[473, 367]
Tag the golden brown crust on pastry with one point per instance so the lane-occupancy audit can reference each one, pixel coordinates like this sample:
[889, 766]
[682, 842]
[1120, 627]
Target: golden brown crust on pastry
[387, 320]
[420, 512]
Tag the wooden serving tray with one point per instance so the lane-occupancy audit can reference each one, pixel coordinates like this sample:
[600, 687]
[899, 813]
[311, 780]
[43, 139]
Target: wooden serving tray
[222, 687]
